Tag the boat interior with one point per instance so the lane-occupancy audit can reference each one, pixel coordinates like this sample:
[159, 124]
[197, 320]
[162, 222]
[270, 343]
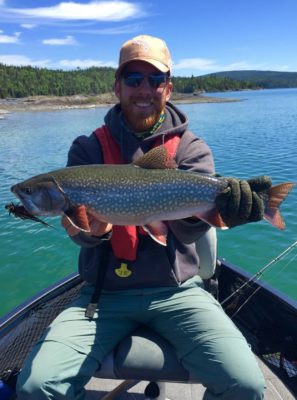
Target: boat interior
[144, 365]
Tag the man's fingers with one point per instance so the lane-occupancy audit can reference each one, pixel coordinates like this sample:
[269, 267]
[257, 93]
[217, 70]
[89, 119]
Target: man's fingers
[260, 183]
[67, 225]
[257, 211]
[234, 198]
[246, 200]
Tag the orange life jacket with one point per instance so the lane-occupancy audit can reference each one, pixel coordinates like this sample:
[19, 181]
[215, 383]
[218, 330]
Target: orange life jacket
[124, 240]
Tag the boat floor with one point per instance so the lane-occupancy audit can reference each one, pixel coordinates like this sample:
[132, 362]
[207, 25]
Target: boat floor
[98, 388]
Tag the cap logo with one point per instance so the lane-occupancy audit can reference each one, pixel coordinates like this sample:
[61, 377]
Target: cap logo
[142, 43]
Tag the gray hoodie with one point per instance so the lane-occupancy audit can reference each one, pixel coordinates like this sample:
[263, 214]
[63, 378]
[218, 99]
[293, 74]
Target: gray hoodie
[156, 265]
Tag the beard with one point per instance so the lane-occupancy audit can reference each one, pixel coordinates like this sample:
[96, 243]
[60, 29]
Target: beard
[142, 120]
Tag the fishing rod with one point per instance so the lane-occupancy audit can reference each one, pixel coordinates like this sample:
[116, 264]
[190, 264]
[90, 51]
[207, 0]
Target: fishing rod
[257, 276]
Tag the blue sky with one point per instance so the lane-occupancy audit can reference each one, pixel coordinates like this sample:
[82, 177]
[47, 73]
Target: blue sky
[203, 36]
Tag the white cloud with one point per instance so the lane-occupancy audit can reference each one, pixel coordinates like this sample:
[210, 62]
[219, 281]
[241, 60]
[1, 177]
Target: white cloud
[67, 41]
[243, 65]
[198, 64]
[119, 30]
[72, 64]
[20, 60]
[28, 26]
[209, 66]
[9, 39]
[95, 10]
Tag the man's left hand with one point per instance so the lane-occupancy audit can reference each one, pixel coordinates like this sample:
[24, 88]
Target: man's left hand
[240, 203]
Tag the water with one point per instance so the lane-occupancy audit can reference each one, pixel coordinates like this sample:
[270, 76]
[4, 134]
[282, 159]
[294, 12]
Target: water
[255, 136]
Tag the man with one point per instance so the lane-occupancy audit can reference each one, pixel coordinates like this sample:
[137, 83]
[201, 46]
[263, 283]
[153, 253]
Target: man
[144, 282]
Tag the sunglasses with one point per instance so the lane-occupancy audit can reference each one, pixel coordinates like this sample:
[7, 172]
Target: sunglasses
[134, 79]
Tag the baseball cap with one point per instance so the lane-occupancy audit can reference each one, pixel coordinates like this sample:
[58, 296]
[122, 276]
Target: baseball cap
[145, 48]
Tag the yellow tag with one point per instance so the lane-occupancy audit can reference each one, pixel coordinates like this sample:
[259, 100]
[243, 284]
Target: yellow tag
[123, 271]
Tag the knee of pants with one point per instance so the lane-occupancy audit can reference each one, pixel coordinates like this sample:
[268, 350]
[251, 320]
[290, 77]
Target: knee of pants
[251, 386]
[247, 386]
[31, 386]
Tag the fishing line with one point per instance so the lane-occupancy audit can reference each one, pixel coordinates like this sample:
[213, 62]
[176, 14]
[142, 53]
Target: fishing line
[258, 275]
[259, 287]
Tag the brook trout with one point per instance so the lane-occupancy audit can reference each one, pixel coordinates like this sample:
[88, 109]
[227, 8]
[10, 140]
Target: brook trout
[150, 191]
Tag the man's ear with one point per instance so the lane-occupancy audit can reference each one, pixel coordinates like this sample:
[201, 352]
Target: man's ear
[169, 88]
[117, 87]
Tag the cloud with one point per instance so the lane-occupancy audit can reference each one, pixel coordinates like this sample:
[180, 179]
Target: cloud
[67, 41]
[209, 66]
[198, 64]
[28, 26]
[9, 39]
[119, 30]
[20, 60]
[72, 64]
[95, 10]
[243, 65]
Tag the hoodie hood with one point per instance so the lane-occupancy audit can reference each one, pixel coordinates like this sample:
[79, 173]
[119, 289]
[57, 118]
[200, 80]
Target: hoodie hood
[132, 147]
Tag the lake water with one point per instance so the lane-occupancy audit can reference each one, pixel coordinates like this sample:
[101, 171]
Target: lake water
[255, 136]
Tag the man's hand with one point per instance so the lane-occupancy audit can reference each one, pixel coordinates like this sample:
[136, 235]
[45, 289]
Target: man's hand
[98, 228]
[240, 203]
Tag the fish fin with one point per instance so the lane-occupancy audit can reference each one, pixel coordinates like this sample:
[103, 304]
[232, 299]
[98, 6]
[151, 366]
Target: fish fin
[157, 230]
[276, 195]
[213, 218]
[157, 158]
[78, 217]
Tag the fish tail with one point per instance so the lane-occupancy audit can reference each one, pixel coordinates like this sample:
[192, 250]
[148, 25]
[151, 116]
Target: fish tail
[273, 199]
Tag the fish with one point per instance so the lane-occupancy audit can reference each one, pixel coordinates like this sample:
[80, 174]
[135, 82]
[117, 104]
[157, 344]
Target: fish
[147, 193]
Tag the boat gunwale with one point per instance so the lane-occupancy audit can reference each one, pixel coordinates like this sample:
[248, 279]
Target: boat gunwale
[13, 317]
[16, 315]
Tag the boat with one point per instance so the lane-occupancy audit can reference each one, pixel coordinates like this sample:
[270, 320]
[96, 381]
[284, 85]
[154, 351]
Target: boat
[266, 317]
[144, 365]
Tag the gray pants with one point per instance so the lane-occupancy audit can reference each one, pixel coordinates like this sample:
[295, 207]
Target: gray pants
[207, 343]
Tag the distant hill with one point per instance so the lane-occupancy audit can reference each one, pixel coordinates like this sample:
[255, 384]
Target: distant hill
[263, 79]
[31, 81]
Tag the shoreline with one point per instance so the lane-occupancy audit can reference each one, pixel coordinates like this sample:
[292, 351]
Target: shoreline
[56, 103]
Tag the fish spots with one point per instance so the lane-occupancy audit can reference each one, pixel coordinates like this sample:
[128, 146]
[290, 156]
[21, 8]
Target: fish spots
[129, 195]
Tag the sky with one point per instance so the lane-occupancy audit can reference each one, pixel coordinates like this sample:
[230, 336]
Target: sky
[203, 36]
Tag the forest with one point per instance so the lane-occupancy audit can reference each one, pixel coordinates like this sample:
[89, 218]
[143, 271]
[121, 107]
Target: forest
[262, 79]
[16, 82]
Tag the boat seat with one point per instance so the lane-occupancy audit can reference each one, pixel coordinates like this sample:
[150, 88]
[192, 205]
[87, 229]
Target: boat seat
[145, 355]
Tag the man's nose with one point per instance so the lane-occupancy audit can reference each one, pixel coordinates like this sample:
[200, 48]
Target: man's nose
[145, 85]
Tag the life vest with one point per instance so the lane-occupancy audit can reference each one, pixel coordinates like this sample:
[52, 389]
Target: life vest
[124, 240]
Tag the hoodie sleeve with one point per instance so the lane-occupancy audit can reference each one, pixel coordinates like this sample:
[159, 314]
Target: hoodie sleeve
[85, 150]
[195, 155]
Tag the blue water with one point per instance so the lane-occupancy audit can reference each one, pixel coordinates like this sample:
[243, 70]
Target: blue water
[255, 136]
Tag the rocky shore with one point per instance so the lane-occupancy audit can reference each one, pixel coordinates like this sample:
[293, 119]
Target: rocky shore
[50, 103]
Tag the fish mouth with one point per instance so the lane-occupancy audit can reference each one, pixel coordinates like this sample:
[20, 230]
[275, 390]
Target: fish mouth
[25, 200]
[13, 189]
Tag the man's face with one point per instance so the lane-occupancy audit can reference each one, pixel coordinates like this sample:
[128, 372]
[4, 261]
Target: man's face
[143, 104]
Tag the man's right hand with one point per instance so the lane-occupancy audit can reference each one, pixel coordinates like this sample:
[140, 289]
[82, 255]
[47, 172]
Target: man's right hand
[98, 227]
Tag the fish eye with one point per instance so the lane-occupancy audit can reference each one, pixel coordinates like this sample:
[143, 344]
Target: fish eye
[28, 190]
